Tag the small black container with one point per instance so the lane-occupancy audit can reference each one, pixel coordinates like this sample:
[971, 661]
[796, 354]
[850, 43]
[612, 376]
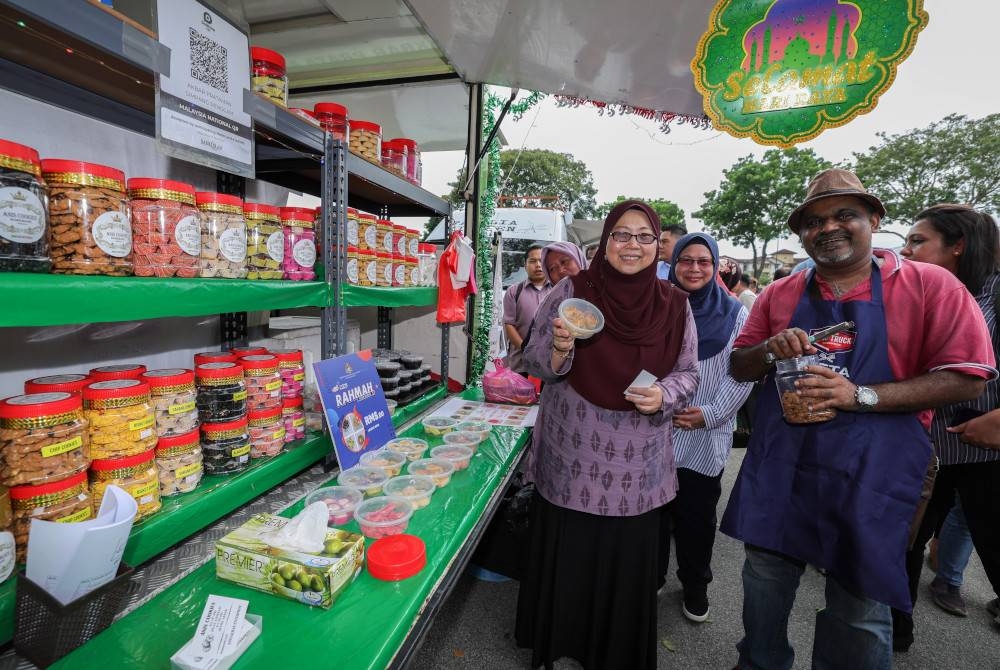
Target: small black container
[411, 362]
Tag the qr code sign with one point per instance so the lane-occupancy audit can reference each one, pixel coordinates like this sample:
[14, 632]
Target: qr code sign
[209, 61]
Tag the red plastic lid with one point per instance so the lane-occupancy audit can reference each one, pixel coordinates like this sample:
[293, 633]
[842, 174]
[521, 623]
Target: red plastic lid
[218, 370]
[289, 355]
[367, 217]
[307, 214]
[168, 377]
[214, 357]
[397, 557]
[115, 388]
[259, 208]
[224, 426]
[260, 53]
[206, 197]
[24, 153]
[394, 145]
[357, 124]
[123, 462]
[141, 183]
[330, 108]
[62, 165]
[351, 210]
[258, 361]
[399, 226]
[301, 110]
[269, 413]
[171, 441]
[67, 383]
[427, 247]
[25, 492]
[406, 142]
[39, 404]
[125, 371]
[249, 351]
[291, 402]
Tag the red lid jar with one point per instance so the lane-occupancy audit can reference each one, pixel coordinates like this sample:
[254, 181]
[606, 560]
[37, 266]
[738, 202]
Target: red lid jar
[268, 75]
[333, 119]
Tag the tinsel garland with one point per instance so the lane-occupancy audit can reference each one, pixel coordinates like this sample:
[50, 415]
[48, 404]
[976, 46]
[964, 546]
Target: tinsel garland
[483, 305]
[665, 119]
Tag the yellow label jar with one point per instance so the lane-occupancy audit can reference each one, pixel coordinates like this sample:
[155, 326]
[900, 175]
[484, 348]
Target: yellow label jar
[135, 474]
[43, 438]
[66, 500]
[179, 463]
[121, 417]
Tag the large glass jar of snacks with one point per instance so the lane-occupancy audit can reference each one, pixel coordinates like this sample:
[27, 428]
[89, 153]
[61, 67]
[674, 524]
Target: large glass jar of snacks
[368, 232]
[89, 229]
[265, 241]
[294, 418]
[366, 140]
[121, 418]
[178, 462]
[267, 432]
[136, 474]
[333, 118]
[107, 373]
[54, 383]
[223, 236]
[173, 395]
[293, 372]
[222, 391]
[263, 381]
[300, 243]
[225, 447]
[43, 438]
[24, 205]
[414, 166]
[166, 228]
[64, 500]
[268, 76]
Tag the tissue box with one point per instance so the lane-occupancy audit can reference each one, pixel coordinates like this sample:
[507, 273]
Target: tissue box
[243, 557]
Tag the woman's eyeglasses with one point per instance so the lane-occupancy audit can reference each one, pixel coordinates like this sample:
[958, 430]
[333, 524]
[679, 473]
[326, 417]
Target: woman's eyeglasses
[690, 262]
[623, 236]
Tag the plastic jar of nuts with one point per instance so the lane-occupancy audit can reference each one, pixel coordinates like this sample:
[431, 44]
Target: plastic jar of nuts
[394, 157]
[89, 229]
[173, 395]
[353, 266]
[121, 418]
[214, 357]
[294, 418]
[178, 462]
[366, 140]
[263, 381]
[43, 438]
[795, 409]
[136, 474]
[267, 432]
[24, 216]
[64, 500]
[222, 391]
[107, 373]
[225, 447]
[265, 241]
[292, 370]
[268, 76]
[54, 383]
[300, 243]
[223, 236]
[414, 167]
[166, 228]
[333, 118]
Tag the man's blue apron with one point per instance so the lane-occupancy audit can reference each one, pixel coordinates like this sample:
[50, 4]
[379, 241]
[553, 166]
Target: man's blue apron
[839, 495]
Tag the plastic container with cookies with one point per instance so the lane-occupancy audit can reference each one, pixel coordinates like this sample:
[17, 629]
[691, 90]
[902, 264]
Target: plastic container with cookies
[299, 255]
[121, 418]
[166, 228]
[64, 500]
[265, 241]
[366, 140]
[581, 318]
[222, 391]
[223, 236]
[267, 432]
[107, 373]
[136, 474]
[225, 447]
[174, 400]
[179, 463]
[263, 381]
[43, 438]
[24, 235]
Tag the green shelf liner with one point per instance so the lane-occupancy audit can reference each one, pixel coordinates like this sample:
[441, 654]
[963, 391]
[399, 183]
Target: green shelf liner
[50, 300]
[366, 626]
[383, 296]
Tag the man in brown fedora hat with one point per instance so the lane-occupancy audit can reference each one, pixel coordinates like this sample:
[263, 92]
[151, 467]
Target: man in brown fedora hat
[835, 466]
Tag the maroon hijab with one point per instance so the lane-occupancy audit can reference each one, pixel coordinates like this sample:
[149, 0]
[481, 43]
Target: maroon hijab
[644, 321]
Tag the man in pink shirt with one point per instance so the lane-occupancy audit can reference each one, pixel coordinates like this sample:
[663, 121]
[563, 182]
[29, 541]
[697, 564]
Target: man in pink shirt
[841, 494]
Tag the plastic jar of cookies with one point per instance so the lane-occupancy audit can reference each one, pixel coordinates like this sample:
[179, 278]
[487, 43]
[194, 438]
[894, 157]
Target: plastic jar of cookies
[225, 447]
[268, 76]
[400, 272]
[121, 418]
[223, 236]
[267, 432]
[222, 391]
[383, 273]
[43, 438]
[178, 463]
[385, 243]
[294, 418]
[55, 383]
[412, 271]
[366, 140]
[353, 229]
[24, 215]
[136, 474]
[166, 228]
[214, 357]
[412, 242]
[89, 228]
[367, 268]
[63, 500]
[173, 396]
[394, 157]
[263, 381]
[265, 241]
[414, 166]
[333, 118]
[107, 373]
[353, 266]
[369, 237]
[399, 242]
[292, 370]
[300, 243]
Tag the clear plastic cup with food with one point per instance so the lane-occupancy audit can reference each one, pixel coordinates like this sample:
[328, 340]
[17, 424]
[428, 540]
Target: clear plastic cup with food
[367, 480]
[417, 489]
[439, 425]
[437, 469]
[390, 461]
[581, 318]
[482, 427]
[383, 516]
[411, 447]
[465, 438]
[341, 501]
[456, 454]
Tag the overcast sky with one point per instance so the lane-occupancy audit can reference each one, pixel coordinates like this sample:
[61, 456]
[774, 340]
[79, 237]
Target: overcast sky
[952, 69]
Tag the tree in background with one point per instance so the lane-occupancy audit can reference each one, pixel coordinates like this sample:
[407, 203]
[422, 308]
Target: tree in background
[752, 203]
[670, 212]
[952, 160]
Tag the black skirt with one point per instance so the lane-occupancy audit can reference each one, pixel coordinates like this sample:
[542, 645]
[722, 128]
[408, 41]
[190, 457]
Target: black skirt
[589, 591]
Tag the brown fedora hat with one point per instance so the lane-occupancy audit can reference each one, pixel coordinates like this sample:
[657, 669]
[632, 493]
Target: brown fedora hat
[828, 183]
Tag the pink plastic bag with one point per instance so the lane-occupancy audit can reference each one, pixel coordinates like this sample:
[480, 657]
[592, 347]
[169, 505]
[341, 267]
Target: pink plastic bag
[505, 385]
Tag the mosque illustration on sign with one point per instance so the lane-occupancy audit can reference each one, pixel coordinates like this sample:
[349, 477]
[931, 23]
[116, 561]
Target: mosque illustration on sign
[800, 34]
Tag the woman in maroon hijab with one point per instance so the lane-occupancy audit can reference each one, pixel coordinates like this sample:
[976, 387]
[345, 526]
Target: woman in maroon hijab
[602, 459]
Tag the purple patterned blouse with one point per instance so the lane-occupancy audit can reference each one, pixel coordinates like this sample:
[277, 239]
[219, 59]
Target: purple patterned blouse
[595, 460]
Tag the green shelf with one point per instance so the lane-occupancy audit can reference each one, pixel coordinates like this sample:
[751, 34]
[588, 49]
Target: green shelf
[382, 296]
[51, 300]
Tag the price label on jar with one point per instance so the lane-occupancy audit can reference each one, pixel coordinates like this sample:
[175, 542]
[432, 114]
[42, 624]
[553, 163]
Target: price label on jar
[7, 554]
[371, 271]
[299, 376]
[142, 424]
[273, 386]
[181, 408]
[233, 244]
[371, 236]
[240, 395]
[62, 447]
[79, 515]
[278, 434]
[22, 215]
[276, 246]
[304, 253]
[187, 470]
[113, 234]
[241, 451]
[188, 235]
[298, 423]
[144, 492]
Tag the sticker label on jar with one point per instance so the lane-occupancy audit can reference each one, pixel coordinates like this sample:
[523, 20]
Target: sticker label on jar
[352, 270]
[298, 423]
[143, 491]
[352, 232]
[142, 424]
[299, 376]
[181, 408]
[241, 451]
[188, 235]
[22, 215]
[240, 395]
[276, 246]
[278, 434]
[233, 244]
[187, 470]
[79, 515]
[62, 447]
[272, 386]
[304, 253]
[113, 234]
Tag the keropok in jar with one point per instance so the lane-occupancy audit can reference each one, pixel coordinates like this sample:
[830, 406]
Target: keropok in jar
[166, 228]
[263, 381]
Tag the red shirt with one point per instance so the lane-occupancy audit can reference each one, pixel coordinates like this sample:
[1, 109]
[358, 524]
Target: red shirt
[933, 322]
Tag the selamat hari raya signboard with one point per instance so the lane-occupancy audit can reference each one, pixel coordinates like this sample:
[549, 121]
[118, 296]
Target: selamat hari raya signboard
[782, 71]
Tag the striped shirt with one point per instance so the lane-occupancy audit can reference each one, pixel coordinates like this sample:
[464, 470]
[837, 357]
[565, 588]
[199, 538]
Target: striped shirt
[950, 449]
[720, 397]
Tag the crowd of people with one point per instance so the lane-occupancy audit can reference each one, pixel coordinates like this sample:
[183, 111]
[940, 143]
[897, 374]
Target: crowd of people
[895, 440]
